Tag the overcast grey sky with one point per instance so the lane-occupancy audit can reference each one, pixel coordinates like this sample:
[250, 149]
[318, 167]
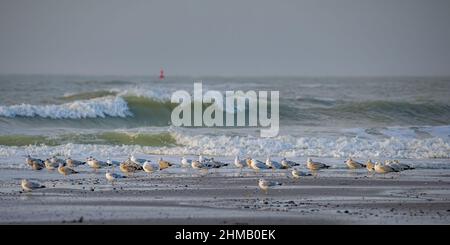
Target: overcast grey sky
[232, 37]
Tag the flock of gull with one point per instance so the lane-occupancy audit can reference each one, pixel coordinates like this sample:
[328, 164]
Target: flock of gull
[132, 165]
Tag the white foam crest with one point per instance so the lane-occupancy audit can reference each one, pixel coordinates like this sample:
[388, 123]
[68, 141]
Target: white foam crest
[154, 94]
[93, 108]
[338, 147]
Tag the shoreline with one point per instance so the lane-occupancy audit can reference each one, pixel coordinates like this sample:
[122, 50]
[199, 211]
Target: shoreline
[187, 196]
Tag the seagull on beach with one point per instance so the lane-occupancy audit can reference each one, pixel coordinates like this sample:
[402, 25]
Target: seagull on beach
[95, 164]
[314, 166]
[384, 169]
[352, 164]
[248, 160]
[29, 185]
[50, 165]
[398, 166]
[56, 160]
[257, 165]
[129, 167]
[239, 163]
[73, 163]
[265, 184]
[137, 160]
[273, 164]
[65, 170]
[112, 162]
[111, 176]
[197, 164]
[287, 163]
[150, 167]
[297, 174]
[185, 163]
[35, 163]
[211, 163]
[370, 166]
[163, 164]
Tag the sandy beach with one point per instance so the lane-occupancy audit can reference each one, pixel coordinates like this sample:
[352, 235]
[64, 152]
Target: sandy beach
[223, 196]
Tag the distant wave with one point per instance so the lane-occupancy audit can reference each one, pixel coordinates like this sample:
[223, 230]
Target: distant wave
[93, 108]
[141, 107]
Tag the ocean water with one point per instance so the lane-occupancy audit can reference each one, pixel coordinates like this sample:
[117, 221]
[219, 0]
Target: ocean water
[363, 117]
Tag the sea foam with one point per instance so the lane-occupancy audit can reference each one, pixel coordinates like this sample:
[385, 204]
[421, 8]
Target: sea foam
[93, 108]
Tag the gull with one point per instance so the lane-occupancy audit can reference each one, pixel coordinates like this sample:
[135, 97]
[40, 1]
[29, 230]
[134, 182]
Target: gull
[314, 166]
[201, 159]
[352, 164]
[288, 164]
[66, 170]
[50, 165]
[137, 160]
[73, 163]
[297, 173]
[56, 160]
[197, 164]
[111, 176]
[95, 164]
[150, 167]
[399, 166]
[211, 163]
[239, 163]
[129, 167]
[112, 162]
[185, 163]
[256, 164]
[273, 164]
[30, 160]
[163, 164]
[370, 166]
[248, 160]
[35, 163]
[29, 185]
[383, 169]
[265, 184]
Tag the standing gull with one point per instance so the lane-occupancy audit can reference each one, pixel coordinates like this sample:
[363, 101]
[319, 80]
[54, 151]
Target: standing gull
[150, 167]
[398, 166]
[314, 166]
[163, 164]
[265, 184]
[197, 164]
[297, 174]
[185, 163]
[287, 163]
[273, 164]
[111, 176]
[383, 169]
[370, 166]
[352, 164]
[95, 164]
[35, 163]
[29, 185]
[239, 163]
[65, 170]
[50, 165]
[257, 165]
[73, 163]
[129, 167]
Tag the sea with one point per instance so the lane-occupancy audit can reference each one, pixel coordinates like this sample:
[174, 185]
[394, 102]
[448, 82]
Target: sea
[320, 117]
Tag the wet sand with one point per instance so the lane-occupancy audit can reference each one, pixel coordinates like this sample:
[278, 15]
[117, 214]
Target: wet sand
[223, 196]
